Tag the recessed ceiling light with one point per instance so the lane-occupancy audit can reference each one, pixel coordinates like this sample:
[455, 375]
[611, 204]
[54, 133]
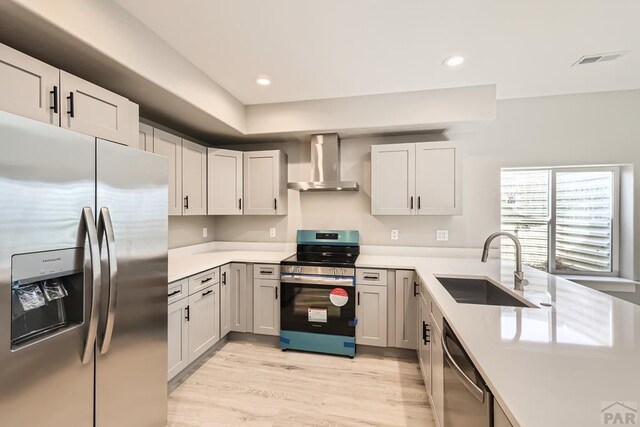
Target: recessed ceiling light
[453, 61]
[263, 81]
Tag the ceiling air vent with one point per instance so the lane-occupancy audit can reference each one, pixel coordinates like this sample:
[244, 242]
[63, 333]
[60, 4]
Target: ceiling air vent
[600, 57]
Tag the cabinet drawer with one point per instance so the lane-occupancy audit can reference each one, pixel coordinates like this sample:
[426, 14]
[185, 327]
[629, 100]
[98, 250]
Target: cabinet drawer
[203, 280]
[266, 271]
[370, 276]
[177, 290]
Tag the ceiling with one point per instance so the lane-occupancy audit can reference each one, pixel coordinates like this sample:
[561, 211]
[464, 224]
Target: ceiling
[314, 49]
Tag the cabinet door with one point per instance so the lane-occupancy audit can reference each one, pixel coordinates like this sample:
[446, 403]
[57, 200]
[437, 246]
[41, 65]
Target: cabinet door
[238, 287]
[266, 304]
[204, 321]
[371, 312]
[28, 87]
[170, 146]
[225, 300]
[224, 182]
[145, 137]
[265, 183]
[423, 337]
[437, 375]
[194, 178]
[93, 110]
[406, 309]
[393, 179]
[178, 337]
[438, 178]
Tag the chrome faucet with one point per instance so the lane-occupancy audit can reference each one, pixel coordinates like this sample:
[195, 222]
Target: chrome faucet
[518, 276]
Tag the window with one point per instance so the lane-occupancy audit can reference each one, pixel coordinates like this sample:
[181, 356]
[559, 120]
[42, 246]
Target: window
[565, 218]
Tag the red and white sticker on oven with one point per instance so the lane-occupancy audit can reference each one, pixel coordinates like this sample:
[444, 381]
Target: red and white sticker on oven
[338, 297]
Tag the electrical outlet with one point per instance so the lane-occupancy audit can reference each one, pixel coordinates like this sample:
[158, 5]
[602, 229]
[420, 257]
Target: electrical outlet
[394, 234]
[442, 235]
[204, 232]
[272, 232]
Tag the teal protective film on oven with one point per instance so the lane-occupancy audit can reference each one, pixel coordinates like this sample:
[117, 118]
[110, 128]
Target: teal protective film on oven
[332, 237]
[320, 343]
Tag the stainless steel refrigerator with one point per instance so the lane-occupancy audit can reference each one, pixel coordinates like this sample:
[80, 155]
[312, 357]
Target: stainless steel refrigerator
[83, 280]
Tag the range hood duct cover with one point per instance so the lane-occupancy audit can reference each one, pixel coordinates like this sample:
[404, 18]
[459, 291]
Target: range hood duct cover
[325, 166]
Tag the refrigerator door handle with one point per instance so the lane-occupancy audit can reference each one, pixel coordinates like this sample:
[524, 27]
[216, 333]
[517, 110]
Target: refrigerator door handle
[94, 253]
[105, 228]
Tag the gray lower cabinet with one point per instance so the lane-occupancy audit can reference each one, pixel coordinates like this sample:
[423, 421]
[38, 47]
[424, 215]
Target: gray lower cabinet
[423, 338]
[371, 312]
[437, 373]
[238, 297]
[204, 320]
[266, 306]
[406, 309]
[225, 300]
[178, 337]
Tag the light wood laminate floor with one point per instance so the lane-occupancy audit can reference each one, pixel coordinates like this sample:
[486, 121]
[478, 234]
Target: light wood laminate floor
[259, 385]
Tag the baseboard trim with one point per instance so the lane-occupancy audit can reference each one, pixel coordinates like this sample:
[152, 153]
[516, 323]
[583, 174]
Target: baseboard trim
[195, 365]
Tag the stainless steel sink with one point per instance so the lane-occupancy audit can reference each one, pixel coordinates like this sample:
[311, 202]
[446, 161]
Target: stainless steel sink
[480, 291]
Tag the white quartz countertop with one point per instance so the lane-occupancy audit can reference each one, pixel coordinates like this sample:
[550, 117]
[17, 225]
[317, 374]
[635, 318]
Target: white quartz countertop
[547, 366]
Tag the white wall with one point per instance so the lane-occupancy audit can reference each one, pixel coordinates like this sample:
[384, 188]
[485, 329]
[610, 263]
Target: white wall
[600, 128]
[187, 230]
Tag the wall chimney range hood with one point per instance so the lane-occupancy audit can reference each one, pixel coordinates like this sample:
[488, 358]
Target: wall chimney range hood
[325, 166]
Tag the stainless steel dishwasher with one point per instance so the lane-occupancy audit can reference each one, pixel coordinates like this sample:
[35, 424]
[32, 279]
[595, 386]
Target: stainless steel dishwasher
[468, 402]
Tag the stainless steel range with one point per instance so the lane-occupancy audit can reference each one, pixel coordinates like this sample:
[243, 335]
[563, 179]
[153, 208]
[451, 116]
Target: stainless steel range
[318, 302]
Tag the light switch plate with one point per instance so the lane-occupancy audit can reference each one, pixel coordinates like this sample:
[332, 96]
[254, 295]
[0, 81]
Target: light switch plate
[272, 232]
[442, 235]
[205, 232]
[394, 234]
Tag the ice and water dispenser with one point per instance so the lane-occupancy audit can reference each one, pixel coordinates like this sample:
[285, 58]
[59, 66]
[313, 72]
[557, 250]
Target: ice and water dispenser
[47, 294]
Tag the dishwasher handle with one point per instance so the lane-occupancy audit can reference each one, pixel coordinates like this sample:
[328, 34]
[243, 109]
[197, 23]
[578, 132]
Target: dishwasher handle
[473, 388]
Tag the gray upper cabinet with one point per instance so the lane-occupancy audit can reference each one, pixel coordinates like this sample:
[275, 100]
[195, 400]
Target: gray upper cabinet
[145, 137]
[438, 178]
[194, 178]
[28, 87]
[36, 90]
[416, 179]
[265, 183]
[170, 146]
[405, 309]
[91, 109]
[224, 182]
[393, 179]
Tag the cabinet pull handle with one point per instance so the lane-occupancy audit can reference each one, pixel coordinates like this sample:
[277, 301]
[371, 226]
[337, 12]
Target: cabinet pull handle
[186, 202]
[186, 313]
[425, 332]
[206, 280]
[371, 277]
[204, 294]
[418, 202]
[415, 289]
[174, 293]
[70, 103]
[276, 292]
[275, 204]
[240, 204]
[358, 298]
[224, 278]
[54, 92]
[411, 203]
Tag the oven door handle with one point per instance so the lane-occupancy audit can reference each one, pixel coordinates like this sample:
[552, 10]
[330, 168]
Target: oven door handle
[316, 280]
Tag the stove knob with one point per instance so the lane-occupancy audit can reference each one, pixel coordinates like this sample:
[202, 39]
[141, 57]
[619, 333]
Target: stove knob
[344, 272]
[334, 271]
[299, 270]
[292, 269]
